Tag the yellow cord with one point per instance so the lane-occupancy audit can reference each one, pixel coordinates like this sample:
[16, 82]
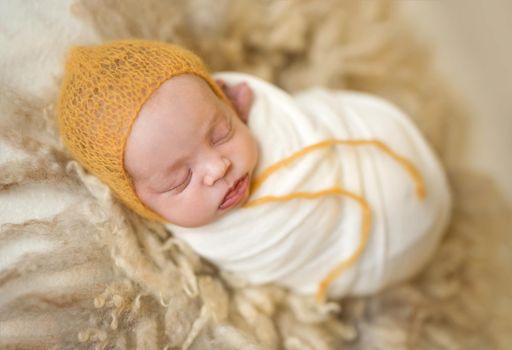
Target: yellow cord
[409, 167]
[366, 222]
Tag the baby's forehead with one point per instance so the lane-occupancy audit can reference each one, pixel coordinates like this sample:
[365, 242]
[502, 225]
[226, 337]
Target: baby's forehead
[183, 86]
[180, 101]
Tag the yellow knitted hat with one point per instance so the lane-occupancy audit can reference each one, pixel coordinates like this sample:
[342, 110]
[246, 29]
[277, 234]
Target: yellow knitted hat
[103, 90]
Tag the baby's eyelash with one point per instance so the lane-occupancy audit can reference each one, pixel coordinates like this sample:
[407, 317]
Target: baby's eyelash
[184, 183]
[228, 133]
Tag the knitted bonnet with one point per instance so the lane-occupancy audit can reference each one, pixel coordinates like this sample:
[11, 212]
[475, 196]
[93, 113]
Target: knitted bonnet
[102, 92]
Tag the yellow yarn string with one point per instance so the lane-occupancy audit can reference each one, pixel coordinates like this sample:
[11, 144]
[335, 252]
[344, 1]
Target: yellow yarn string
[409, 167]
[366, 222]
[365, 228]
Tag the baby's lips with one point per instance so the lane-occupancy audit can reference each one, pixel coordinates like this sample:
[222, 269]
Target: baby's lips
[236, 193]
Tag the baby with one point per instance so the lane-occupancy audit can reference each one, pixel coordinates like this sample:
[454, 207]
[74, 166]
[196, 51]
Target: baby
[327, 192]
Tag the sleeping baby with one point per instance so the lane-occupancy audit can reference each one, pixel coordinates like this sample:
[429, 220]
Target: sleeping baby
[331, 193]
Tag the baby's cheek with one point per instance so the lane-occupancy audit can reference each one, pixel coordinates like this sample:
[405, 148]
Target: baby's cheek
[252, 143]
[239, 143]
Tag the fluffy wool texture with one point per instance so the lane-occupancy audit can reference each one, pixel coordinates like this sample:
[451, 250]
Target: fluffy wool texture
[78, 270]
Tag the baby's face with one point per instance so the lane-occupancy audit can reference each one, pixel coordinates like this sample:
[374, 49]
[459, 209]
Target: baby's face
[189, 154]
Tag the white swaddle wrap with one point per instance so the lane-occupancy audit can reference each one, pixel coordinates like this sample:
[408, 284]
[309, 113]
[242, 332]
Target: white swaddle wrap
[296, 243]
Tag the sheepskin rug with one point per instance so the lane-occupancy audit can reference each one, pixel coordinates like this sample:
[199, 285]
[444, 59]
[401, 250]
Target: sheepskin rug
[79, 271]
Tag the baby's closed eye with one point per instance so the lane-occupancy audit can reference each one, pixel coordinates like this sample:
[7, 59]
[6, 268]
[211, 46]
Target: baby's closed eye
[222, 132]
[182, 183]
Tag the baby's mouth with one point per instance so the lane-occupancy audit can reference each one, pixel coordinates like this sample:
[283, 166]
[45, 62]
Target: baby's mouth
[235, 193]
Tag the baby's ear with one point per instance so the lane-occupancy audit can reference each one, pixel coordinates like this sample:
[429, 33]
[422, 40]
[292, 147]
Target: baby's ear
[240, 96]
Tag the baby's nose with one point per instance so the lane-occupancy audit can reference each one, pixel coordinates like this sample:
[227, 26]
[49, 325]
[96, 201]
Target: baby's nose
[216, 170]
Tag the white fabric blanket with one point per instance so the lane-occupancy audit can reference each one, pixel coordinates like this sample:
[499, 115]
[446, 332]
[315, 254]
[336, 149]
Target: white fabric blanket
[296, 243]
